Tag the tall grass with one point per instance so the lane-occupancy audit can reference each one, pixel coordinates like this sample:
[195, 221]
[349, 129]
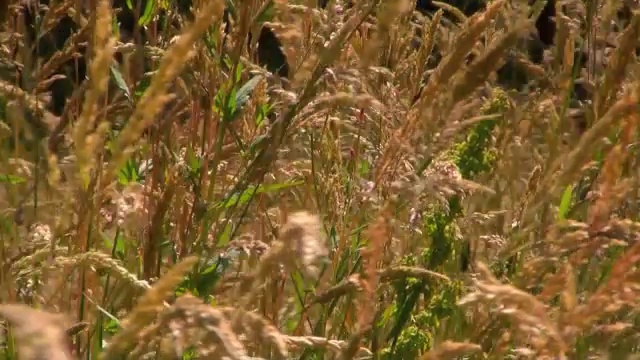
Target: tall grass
[392, 199]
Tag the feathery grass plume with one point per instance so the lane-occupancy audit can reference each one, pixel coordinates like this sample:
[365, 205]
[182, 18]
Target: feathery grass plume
[522, 309]
[30, 102]
[303, 239]
[426, 49]
[377, 234]
[311, 69]
[574, 160]
[258, 327]
[380, 42]
[26, 264]
[451, 349]
[149, 305]
[561, 283]
[300, 244]
[53, 16]
[480, 69]
[606, 16]
[154, 98]
[610, 191]
[618, 63]
[49, 68]
[449, 65]
[88, 139]
[566, 60]
[334, 346]
[203, 326]
[532, 186]
[100, 261]
[353, 283]
[398, 272]
[621, 289]
[398, 39]
[460, 16]
[465, 41]
[365, 101]
[39, 335]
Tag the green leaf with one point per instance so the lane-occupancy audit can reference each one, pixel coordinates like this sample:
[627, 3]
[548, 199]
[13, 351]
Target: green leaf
[11, 179]
[231, 106]
[387, 315]
[225, 104]
[119, 79]
[563, 209]
[238, 73]
[231, 7]
[194, 162]
[364, 168]
[267, 14]
[121, 248]
[258, 144]
[115, 27]
[244, 94]
[147, 15]
[243, 197]
[142, 85]
[129, 173]
[207, 279]
[225, 237]
[262, 111]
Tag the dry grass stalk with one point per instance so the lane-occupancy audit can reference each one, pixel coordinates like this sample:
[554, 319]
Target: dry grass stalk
[336, 346]
[260, 328]
[525, 311]
[450, 349]
[217, 335]
[460, 16]
[610, 191]
[348, 126]
[450, 64]
[54, 15]
[426, 49]
[617, 292]
[87, 138]
[377, 234]
[576, 159]
[155, 97]
[149, 305]
[30, 102]
[620, 59]
[300, 245]
[60, 57]
[488, 62]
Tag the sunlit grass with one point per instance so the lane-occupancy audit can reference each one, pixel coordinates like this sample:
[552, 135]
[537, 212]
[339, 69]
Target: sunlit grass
[393, 198]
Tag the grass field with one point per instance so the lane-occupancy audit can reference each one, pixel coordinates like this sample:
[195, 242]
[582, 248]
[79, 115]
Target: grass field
[394, 198]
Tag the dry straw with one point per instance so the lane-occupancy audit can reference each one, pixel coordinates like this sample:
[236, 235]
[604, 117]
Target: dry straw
[381, 126]
[146, 310]
[87, 138]
[155, 97]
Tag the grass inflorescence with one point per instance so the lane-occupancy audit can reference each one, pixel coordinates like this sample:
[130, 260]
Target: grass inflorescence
[394, 194]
